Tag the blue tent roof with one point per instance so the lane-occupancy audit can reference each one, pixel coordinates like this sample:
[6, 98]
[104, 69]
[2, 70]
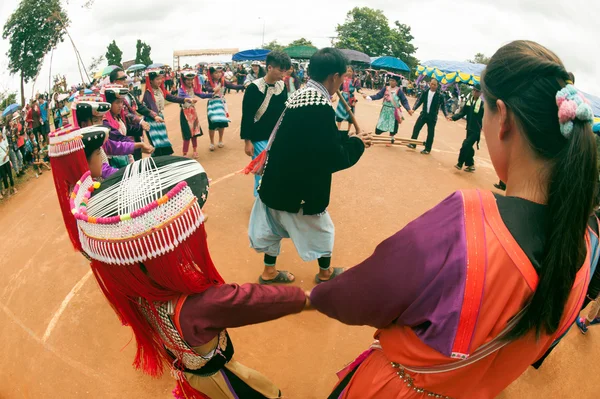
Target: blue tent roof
[455, 66]
[390, 63]
[595, 103]
[251, 55]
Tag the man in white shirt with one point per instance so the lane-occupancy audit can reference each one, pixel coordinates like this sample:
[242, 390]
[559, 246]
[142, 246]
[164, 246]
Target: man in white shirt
[432, 100]
[405, 85]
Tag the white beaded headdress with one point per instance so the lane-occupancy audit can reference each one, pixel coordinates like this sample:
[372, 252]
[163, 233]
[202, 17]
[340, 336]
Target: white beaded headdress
[64, 141]
[145, 211]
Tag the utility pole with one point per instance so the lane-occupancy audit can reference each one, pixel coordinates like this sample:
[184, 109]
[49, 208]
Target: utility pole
[263, 32]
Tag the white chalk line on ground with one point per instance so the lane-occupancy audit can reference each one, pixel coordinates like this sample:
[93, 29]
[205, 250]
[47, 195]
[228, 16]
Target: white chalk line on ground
[13, 281]
[64, 305]
[68, 360]
[80, 283]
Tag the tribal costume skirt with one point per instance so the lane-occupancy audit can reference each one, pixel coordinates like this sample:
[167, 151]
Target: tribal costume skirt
[159, 138]
[217, 114]
[387, 120]
[190, 123]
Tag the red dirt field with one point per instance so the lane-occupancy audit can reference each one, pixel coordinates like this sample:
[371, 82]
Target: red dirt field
[62, 340]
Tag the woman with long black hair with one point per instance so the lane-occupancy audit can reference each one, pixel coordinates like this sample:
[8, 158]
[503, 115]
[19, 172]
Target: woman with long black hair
[471, 293]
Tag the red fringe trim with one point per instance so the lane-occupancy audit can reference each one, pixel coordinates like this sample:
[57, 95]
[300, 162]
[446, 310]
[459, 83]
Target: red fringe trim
[66, 171]
[184, 390]
[257, 165]
[188, 270]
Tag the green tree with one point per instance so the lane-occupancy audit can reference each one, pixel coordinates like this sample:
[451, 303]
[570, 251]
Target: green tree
[142, 53]
[401, 46]
[301, 42]
[7, 99]
[366, 30]
[480, 58]
[273, 46]
[114, 54]
[33, 30]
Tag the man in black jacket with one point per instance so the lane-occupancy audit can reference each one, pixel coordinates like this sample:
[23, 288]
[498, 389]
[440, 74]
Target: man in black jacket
[264, 101]
[295, 187]
[473, 110]
[432, 100]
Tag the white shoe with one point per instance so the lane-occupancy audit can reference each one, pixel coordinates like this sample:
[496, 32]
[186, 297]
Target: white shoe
[221, 145]
[211, 147]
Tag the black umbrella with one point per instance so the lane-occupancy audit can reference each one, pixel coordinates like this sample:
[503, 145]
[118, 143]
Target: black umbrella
[356, 56]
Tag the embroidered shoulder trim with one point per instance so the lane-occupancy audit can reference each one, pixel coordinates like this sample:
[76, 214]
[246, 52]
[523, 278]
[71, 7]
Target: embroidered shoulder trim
[307, 97]
[262, 86]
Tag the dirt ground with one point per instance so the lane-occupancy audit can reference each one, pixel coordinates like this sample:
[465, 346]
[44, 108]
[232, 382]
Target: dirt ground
[61, 340]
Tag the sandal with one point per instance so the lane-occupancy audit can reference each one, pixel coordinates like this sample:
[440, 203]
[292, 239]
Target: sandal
[336, 272]
[195, 154]
[221, 145]
[281, 278]
[211, 147]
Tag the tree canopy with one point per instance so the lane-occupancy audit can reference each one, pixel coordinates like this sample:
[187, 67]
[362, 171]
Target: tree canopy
[114, 55]
[142, 53]
[274, 46]
[368, 30]
[301, 42]
[33, 30]
[7, 98]
[480, 58]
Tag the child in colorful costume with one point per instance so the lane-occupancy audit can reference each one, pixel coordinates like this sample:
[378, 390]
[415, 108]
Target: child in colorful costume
[350, 86]
[118, 123]
[218, 116]
[188, 117]
[391, 113]
[471, 293]
[154, 98]
[160, 280]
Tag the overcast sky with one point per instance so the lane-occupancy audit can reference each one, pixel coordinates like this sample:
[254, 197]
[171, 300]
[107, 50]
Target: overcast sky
[450, 30]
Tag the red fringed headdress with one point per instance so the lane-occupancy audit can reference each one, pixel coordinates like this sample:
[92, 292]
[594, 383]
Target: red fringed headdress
[143, 229]
[155, 72]
[188, 73]
[68, 161]
[209, 77]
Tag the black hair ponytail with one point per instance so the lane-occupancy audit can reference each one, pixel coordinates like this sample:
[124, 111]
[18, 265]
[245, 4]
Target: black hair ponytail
[527, 77]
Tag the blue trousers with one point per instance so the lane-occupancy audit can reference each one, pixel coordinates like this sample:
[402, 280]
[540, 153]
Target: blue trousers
[259, 146]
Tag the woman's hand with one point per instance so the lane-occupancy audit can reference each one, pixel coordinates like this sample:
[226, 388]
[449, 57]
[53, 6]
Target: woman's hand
[147, 148]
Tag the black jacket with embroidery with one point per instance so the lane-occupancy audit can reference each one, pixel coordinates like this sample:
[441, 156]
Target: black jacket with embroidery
[307, 150]
[474, 119]
[253, 98]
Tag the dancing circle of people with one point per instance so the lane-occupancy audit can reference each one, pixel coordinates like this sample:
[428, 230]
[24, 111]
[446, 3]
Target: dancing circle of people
[463, 299]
